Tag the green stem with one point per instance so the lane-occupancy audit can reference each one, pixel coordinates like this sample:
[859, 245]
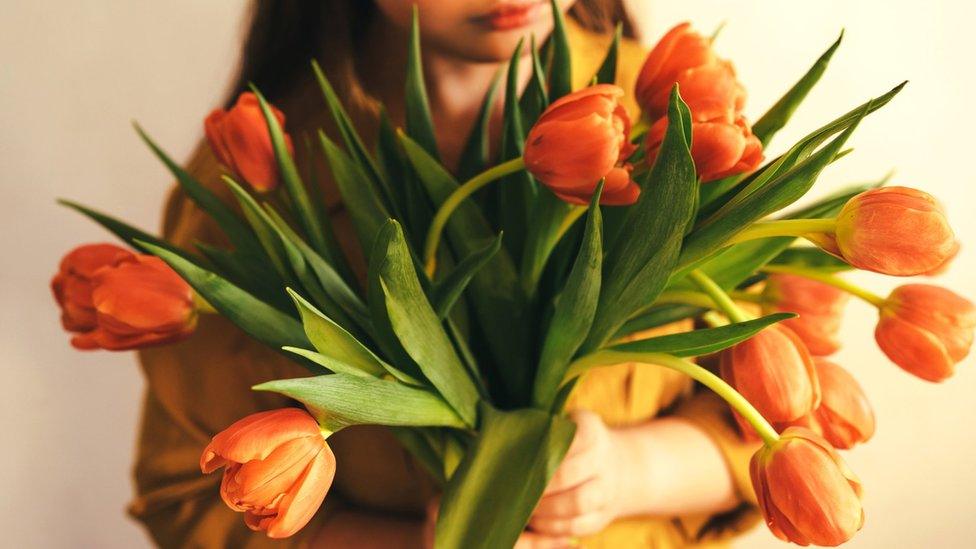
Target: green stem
[749, 297]
[718, 295]
[574, 215]
[784, 227]
[684, 297]
[534, 258]
[467, 189]
[692, 370]
[826, 278]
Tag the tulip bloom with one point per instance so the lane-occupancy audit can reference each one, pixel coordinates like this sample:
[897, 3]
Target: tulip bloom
[892, 230]
[240, 140]
[819, 305]
[806, 492]
[72, 285]
[774, 371]
[844, 416]
[719, 148]
[134, 302]
[580, 139]
[708, 84]
[926, 330]
[278, 469]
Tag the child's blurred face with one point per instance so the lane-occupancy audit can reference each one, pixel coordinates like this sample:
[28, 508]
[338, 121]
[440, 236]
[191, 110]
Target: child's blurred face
[478, 30]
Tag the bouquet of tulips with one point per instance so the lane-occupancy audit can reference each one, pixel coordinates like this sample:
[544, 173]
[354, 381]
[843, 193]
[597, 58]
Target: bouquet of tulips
[491, 290]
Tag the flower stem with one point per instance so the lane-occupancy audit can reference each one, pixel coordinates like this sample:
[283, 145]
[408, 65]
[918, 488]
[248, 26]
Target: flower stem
[685, 297]
[574, 215]
[467, 189]
[718, 295]
[749, 297]
[535, 258]
[722, 389]
[715, 383]
[784, 227]
[829, 279]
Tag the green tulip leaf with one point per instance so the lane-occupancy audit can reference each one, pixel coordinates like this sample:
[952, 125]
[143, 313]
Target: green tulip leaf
[561, 73]
[420, 126]
[340, 400]
[498, 484]
[607, 74]
[447, 290]
[574, 310]
[780, 113]
[686, 344]
[413, 322]
[365, 206]
[307, 213]
[474, 156]
[637, 269]
[258, 319]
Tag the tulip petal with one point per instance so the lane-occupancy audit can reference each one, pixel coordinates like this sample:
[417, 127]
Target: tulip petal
[845, 415]
[145, 295]
[259, 482]
[304, 499]
[257, 435]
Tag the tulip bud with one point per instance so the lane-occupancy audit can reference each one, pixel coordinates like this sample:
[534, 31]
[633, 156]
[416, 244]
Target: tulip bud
[774, 371]
[240, 140]
[926, 330]
[580, 139]
[719, 148]
[806, 492]
[131, 302]
[708, 84]
[819, 305]
[278, 469]
[72, 285]
[892, 230]
[844, 416]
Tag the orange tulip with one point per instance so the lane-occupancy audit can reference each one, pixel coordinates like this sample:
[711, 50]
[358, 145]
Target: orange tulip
[806, 492]
[72, 286]
[138, 302]
[844, 416]
[926, 330]
[278, 469]
[708, 84]
[819, 305]
[240, 140]
[775, 372]
[892, 230]
[719, 148]
[580, 139]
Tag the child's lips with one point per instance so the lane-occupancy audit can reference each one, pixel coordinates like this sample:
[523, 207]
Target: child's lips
[512, 15]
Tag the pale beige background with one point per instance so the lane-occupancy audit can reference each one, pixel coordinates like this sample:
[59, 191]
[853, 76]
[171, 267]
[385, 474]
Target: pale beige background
[73, 74]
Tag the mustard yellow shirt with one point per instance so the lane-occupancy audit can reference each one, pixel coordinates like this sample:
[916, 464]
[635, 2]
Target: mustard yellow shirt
[198, 387]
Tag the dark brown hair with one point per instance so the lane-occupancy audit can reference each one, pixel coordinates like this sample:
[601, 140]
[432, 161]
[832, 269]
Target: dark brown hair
[284, 35]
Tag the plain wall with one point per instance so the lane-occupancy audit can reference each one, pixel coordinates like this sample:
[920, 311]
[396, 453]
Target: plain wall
[72, 75]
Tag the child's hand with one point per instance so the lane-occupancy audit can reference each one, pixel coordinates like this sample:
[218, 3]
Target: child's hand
[581, 498]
